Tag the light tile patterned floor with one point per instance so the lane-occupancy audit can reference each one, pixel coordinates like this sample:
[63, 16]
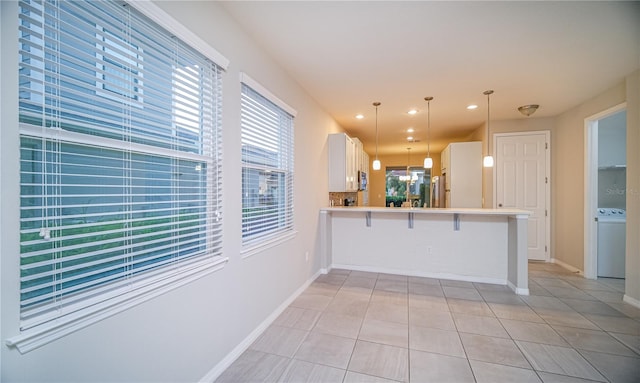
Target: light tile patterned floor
[366, 327]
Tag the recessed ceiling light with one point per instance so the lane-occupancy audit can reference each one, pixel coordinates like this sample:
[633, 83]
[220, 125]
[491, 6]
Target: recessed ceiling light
[412, 111]
[409, 138]
[359, 116]
[410, 130]
[472, 107]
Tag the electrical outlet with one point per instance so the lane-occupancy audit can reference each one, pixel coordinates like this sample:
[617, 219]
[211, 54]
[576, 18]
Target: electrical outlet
[429, 249]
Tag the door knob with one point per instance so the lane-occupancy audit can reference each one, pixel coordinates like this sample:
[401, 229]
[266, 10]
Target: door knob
[499, 205]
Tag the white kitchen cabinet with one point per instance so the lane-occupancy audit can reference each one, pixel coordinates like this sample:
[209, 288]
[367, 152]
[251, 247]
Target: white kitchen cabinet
[343, 163]
[461, 166]
[358, 154]
[364, 166]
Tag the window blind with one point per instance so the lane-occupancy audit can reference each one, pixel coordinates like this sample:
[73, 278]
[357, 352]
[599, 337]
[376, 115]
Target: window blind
[120, 162]
[267, 168]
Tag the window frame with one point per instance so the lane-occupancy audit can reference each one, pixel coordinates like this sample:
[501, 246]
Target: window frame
[426, 180]
[256, 243]
[159, 282]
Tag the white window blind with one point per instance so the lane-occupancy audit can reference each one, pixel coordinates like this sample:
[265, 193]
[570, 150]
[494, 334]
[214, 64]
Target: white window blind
[267, 168]
[120, 163]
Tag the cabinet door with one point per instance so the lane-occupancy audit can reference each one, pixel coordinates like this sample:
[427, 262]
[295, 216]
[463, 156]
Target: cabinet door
[344, 163]
[444, 159]
[464, 174]
[351, 172]
[337, 162]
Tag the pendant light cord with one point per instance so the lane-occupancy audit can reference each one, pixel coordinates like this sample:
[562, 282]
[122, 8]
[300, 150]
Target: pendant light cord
[428, 125]
[376, 104]
[488, 93]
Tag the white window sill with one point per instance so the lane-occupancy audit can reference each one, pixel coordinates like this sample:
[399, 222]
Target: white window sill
[40, 335]
[267, 243]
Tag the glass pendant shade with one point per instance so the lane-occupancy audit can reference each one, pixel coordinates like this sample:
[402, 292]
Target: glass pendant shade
[487, 161]
[428, 163]
[376, 164]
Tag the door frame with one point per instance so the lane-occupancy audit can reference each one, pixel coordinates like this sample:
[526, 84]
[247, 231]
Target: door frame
[547, 191]
[591, 188]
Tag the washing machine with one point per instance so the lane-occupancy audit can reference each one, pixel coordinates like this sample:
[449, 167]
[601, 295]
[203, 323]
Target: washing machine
[611, 242]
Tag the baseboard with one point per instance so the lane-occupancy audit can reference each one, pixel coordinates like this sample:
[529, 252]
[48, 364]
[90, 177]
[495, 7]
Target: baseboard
[632, 301]
[518, 290]
[413, 273]
[567, 266]
[219, 368]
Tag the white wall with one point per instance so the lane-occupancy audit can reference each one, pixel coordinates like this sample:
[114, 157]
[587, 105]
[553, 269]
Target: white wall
[567, 174]
[478, 252]
[632, 281]
[182, 335]
[612, 140]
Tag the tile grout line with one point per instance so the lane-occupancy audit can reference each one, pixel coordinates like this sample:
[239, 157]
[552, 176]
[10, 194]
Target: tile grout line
[486, 299]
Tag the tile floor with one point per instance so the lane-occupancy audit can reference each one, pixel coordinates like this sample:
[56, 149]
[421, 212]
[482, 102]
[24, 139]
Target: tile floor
[367, 327]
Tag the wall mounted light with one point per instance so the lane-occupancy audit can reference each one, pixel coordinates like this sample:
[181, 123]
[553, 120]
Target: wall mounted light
[428, 161]
[376, 162]
[487, 161]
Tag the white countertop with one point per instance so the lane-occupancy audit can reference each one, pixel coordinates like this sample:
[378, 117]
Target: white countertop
[419, 210]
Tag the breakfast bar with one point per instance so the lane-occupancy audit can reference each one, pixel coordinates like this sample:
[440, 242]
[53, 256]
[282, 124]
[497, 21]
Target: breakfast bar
[475, 245]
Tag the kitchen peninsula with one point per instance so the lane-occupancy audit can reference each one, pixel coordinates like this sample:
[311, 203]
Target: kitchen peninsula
[476, 245]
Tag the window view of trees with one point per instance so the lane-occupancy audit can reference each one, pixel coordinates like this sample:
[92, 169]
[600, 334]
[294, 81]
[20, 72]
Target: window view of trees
[414, 179]
[267, 168]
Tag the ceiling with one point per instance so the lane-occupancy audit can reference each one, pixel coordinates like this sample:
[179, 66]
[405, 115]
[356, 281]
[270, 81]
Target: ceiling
[348, 54]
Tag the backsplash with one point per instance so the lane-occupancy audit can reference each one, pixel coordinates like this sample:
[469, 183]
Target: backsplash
[338, 198]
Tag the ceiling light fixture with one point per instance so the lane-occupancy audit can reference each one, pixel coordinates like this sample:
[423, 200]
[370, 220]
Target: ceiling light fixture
[376, 162]
[359, 116]
[487, 161]
[412, 112]
[410, 130]
[472, 107]
[428, 161]
[410, 138]
[528, 110]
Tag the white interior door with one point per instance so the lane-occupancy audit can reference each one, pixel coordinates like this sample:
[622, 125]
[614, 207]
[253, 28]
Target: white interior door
[522, 182]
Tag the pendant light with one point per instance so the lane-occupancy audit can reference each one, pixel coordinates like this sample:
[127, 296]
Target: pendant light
[428, 161]
[487, 161]
[408, 174]
[376, 162]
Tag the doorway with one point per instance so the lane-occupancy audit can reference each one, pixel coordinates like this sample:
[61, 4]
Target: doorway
[605, 169]
[522, 182]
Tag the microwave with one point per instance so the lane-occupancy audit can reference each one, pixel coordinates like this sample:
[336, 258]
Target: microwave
[362, 180]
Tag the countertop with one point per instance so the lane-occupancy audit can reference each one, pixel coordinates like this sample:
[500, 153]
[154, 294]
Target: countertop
[420, 210]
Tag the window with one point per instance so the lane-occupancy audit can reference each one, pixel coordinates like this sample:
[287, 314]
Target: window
[120, 162]
[414, 179]
[117, 61]
[267, 166]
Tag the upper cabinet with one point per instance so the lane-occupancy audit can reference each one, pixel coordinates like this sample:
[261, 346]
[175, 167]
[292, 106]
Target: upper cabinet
[362, 158]
[345, 161]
